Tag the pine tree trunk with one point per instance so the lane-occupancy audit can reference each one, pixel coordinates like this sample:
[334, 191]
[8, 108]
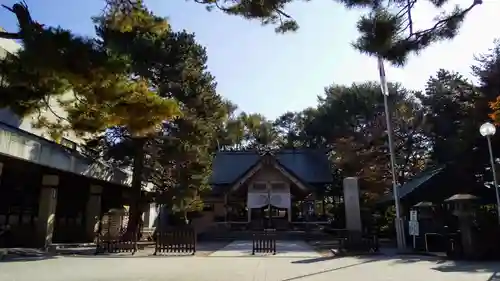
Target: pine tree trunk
[135, 211]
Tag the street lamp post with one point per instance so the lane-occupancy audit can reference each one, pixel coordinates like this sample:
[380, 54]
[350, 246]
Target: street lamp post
[487, 130]
[400, 231]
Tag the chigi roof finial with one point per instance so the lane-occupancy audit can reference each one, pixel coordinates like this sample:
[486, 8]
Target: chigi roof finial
[265, 149]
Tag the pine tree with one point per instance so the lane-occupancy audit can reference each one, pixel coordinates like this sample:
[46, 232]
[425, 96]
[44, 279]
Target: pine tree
[184, 165]
[387, 30]
[178, 163]
[112, 88]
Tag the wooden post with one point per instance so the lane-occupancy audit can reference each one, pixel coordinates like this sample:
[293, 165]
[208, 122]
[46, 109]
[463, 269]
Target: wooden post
[225, 208]
[268, 206]
[93, 210]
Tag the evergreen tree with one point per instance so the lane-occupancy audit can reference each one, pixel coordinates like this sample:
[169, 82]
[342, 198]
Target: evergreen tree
[114, 98]
[387, 30]
[487, 71]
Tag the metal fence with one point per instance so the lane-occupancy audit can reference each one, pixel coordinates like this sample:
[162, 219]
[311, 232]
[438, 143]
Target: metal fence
[264, 242]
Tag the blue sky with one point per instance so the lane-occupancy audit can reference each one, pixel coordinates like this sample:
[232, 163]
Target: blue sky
[267, 73]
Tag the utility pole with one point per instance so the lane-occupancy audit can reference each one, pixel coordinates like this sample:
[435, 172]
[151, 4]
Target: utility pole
[400, 235]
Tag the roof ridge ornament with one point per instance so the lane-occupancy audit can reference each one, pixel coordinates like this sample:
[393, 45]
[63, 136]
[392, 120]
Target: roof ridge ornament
[265, 149]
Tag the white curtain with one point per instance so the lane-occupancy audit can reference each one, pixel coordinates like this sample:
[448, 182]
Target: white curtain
[257, 200]
[261, 199]
[281, 200]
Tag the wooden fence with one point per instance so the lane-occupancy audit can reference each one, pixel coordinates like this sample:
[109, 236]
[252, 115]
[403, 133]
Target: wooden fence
[264, 242]
[175, 241]
[110, 235]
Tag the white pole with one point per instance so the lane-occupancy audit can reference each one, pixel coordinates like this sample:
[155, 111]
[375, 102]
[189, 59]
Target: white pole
[495, 182]
[399, 222]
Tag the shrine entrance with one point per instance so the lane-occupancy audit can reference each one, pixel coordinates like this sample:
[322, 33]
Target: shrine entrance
[274, 218]
[269, 194]
[269, 204]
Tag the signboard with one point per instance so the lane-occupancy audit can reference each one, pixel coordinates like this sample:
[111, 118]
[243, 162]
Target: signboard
[413, 215]
[413, 228]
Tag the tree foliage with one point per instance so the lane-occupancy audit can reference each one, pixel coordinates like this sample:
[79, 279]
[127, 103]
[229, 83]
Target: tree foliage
[177, 158]
[104, 90]
[147, 90]
[387, 30]
[487, 70]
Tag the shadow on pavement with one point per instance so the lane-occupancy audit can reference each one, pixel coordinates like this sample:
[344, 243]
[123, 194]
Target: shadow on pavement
[25, 255]
[313, 260]
[495, 276]
[327, 271]
[443, 265]
[440, 264]
[472, 267]
[463, 266]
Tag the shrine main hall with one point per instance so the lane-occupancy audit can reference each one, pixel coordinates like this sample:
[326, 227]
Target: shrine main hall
[266, 189]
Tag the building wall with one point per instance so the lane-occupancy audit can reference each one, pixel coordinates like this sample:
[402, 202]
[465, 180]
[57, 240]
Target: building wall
[55, 113]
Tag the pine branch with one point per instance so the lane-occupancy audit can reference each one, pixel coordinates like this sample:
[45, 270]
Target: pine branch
[26, 24]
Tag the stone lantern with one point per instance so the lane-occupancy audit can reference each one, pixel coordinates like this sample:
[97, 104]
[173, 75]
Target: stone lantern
[462, 205]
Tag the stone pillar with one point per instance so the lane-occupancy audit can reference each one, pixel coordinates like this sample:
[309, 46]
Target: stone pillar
[352, 209]
[47, 210]
[93, 210]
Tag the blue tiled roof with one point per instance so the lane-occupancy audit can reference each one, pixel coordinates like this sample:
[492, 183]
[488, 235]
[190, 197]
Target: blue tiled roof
[229, 166]
[414, 184]
[310, 166]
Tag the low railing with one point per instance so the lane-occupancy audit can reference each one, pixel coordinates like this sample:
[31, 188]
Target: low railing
[264, 242]
[175, 241]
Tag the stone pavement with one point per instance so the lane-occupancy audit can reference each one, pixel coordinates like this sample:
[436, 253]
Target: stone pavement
[283, 249]
[147, 268]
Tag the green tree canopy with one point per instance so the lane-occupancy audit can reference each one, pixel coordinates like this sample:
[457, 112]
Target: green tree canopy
[91, 79]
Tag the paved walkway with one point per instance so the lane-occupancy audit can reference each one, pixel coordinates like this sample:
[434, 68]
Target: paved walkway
[127, 268]
[283, 249]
